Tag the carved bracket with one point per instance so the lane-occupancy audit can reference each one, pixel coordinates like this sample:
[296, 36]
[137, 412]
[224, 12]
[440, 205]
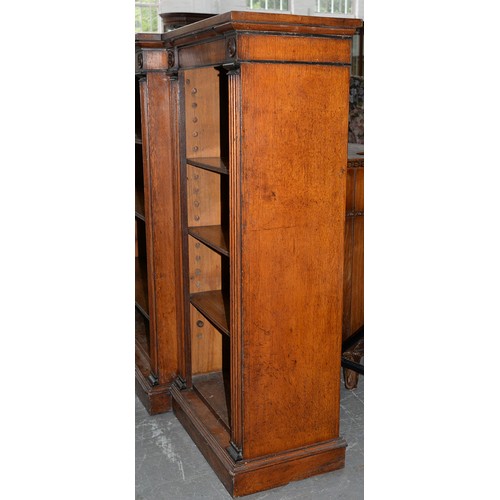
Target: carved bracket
[231, 48]
[170, 58]
[172, 64]
[140, 60]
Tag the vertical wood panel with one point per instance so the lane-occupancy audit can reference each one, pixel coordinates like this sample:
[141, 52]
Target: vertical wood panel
[147, 165]
[204, 267]
[357, 308]
[202, 112]
[203, 197]
[293, 215]
[234, 92]
[163, 224]
[348, 254]
[206, 345]
[360, 190]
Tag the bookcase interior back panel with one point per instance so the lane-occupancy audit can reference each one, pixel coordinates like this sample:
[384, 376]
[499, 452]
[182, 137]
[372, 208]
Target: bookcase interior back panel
[203, 197]
[207, 214]
[206, 345]
[202, 112]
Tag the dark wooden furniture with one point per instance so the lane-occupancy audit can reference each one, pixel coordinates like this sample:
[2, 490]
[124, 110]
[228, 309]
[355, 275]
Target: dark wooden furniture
[174, 20]
[260, 149]
[353, 315]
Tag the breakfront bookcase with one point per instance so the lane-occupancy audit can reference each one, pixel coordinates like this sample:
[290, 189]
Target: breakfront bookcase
[257, 110]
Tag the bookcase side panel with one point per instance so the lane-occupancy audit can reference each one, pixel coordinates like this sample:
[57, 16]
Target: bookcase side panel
[294, 156]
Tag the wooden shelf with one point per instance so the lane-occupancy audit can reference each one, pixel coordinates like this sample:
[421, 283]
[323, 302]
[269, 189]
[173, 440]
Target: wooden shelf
[211, 389]
[215, 307]
[141, 286]
[215, 237]
[215, 164]
[139, 204]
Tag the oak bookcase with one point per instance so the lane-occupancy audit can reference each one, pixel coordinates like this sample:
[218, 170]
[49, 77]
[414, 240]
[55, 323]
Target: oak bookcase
[255, 111]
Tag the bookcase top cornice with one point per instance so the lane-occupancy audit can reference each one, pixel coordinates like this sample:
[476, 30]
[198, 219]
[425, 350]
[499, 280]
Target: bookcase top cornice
[238, 21]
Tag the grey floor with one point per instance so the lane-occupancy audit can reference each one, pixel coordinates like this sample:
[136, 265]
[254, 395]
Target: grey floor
[170, 466]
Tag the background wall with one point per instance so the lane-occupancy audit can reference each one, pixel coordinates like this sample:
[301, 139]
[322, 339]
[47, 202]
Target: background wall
[302, 7]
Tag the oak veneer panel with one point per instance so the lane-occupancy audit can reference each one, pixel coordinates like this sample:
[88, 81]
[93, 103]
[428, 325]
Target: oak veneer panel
[164, 225]
[205, 267]
[206, 344]
[293, 48]
[205, 275]
[292, 211]
[211, 54]
[202, 112]
[203, 197]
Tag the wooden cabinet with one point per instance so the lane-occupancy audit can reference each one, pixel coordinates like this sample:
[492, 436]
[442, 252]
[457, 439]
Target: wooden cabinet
[257, 162]
[353, 315]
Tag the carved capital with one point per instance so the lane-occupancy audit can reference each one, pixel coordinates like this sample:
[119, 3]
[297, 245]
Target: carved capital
[232, 68]
[140, 60]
